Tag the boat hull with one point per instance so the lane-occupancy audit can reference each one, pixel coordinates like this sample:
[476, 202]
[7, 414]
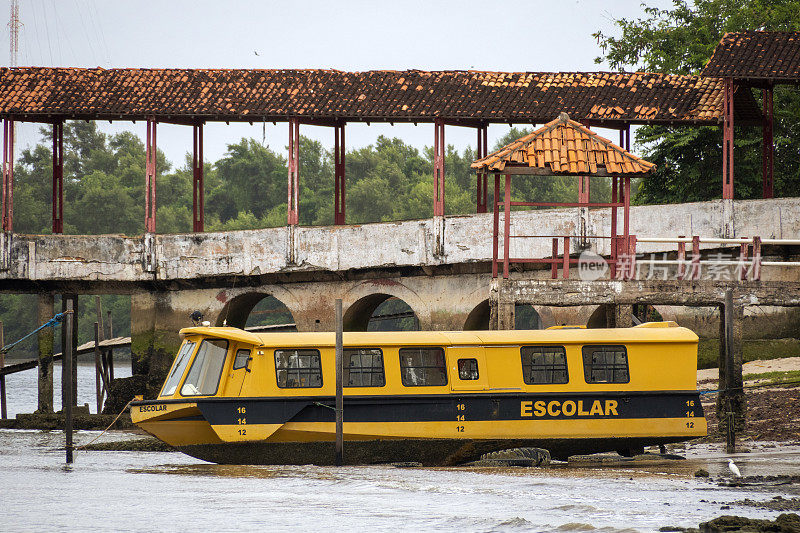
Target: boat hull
[432, 429]
[429, 452]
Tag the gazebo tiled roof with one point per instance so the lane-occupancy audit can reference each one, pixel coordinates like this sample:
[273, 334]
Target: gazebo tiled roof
[563, 146]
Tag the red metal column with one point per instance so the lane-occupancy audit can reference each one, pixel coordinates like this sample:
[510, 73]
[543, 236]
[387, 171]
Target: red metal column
[8, 175]
[150, 178]
[583, 189]
[507, 226]
[496, 225]
[681, 258]
[695, 274]
[756, 276]
[614, 187]
[483, 176]
[632, 257]
[58, 177]
[727, 141]
[554, 262]
[198, 190]
[743, 261]
[293, 212]
[767, 147]
[626, 215]
[339, 176]
[565, 268]
[438, 168]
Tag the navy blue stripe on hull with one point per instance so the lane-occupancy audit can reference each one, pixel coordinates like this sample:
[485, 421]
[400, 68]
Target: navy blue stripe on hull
[472, 407]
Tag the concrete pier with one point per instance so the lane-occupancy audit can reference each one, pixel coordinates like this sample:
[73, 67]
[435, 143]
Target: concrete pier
[45, 312]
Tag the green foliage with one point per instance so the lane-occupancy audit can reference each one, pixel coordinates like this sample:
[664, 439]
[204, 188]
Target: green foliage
[681, 40]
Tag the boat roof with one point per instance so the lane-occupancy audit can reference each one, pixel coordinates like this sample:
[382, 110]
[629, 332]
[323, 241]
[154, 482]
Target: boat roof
[647, 332]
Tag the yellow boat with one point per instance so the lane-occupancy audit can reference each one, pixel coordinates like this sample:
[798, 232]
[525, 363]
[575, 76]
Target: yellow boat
[438, 397]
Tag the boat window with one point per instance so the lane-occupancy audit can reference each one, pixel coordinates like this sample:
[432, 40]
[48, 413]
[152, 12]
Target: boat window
[544, 365]
[363, 367]
[605, 364]
[467, 369]
[242, 357]
[175, 375]
[298, 368]
[206, 369]
[422, 367]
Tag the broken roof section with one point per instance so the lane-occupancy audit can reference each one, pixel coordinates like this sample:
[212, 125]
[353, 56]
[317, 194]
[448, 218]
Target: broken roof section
[468, 98]
[563, 146]
[757, 56]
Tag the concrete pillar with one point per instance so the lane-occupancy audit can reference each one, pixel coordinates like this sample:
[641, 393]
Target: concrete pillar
[623, 315]
[501, 315]
[46, 338]
[736, 382]
[74, 341]
[155, 322]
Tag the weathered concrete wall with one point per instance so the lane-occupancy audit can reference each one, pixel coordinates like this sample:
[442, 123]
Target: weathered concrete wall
[431, 242]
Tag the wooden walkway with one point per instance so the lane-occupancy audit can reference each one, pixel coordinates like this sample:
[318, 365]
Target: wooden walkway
[86, 347]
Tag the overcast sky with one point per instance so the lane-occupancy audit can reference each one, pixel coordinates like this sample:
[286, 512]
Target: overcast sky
[346, 35]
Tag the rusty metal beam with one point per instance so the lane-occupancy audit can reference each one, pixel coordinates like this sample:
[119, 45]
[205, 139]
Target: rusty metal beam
[525, 170]
[58, 177]
[767, 145]
[496, 223]
[506, 226]
[293, 200]
[8, 175]
[339, 150]
[482, 192]
[438, 168]
[150, 178]
[198, 190]
[727, 141]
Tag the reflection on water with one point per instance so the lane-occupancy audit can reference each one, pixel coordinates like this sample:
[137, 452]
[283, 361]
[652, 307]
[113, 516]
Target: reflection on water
[139, 491]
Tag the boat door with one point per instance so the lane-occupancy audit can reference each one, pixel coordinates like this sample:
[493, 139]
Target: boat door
[467, 368]
[242, 364]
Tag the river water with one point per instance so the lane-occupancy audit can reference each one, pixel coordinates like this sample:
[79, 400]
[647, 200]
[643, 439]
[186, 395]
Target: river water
[146, 491]
[22, 389]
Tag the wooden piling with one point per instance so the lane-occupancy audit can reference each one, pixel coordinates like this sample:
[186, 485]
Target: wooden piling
[3, 411]
[339, 385]
[110, 351]
[70, 301]
[46, 339]
[67, 377]
[729, 372]
[98, 371]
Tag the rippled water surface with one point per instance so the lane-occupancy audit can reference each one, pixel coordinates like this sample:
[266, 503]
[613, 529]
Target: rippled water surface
[139, 491]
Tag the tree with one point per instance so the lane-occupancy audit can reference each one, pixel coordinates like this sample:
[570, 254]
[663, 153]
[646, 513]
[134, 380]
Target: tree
[680, 40]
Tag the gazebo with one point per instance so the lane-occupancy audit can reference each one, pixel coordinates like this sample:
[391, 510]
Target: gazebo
[564, 147]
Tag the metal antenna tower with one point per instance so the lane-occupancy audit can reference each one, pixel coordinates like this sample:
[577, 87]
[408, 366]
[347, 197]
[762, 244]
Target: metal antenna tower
[14, 25]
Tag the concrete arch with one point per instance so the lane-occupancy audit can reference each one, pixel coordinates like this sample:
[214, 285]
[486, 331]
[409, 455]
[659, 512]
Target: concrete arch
[478, 318]
[361, 300]
[358, 315]
[527, 316]
[238, 308]
[598, 318]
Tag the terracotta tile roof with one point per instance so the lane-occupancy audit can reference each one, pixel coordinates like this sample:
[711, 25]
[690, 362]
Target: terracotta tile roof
[757, 55]
[564, 146]
[39, 93]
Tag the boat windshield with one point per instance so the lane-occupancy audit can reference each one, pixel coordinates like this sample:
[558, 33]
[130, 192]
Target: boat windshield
[204, 374]
[181, 360]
